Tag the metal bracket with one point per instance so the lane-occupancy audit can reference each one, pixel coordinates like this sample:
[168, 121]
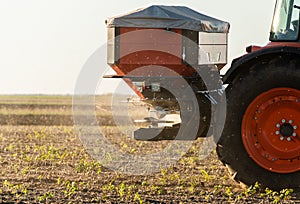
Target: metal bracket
[208, 95]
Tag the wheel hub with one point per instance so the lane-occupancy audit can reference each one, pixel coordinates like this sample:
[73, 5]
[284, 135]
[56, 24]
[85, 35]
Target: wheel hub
[286, 130]
[270, 130]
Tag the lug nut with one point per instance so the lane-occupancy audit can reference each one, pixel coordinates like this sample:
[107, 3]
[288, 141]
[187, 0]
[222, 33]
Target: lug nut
[294, 134]
[295, 127]
[283, 120]
[277, 132]
[281, 138]
[278, 125]
[290, 121]
[288, 139]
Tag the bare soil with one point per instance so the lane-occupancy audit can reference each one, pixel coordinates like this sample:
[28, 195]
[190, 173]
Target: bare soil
[43, 161]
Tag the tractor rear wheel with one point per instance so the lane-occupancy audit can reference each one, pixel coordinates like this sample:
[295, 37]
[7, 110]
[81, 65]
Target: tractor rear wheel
[261, 137]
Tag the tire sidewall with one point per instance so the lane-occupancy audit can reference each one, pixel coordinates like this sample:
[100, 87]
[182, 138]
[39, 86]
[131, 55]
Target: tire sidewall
[240, 93]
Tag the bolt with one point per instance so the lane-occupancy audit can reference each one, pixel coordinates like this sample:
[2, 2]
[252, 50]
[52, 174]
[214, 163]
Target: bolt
[273, 159]
[297, 100]
[278, 125]
[259, 111]
[267, 155]
[288, 139]
[255, 118]
[290, 121]
[277, 132]
[295, 127]
[281, 138]
[283, 120]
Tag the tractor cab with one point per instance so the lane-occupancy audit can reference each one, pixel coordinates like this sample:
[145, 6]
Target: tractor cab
[285, 26]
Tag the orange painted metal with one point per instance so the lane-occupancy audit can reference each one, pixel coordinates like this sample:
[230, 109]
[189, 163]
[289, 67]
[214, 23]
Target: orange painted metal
[253, 48]
[262, 130]
[150, 46]
[287, 44]
[144, 47]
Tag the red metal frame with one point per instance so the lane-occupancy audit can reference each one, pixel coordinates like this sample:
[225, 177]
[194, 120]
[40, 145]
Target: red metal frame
[145, 47]
[253, 48]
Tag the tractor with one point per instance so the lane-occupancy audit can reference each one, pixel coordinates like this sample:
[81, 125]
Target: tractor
[171, 56]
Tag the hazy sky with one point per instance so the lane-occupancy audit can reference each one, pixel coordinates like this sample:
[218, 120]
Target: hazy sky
[45, 43]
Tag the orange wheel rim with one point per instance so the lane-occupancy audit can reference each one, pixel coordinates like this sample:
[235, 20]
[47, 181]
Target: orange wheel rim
[271, 130]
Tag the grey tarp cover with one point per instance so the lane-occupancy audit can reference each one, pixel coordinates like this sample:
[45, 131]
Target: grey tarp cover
[179, 17]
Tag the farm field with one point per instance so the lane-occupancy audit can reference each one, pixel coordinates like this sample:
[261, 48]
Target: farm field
[43, 161]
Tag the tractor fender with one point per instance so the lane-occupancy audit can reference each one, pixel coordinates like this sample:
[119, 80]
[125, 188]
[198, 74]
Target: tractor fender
[264, 55]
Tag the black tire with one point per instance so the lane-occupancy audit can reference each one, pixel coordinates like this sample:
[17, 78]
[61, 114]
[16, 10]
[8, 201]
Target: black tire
[261, 77]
